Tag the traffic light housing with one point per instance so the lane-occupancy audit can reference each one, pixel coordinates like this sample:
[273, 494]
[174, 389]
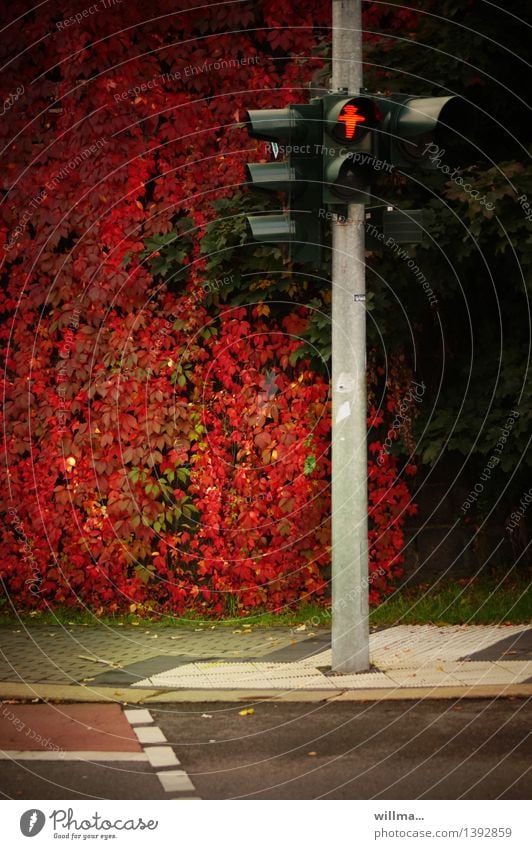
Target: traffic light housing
[349, 147]
[294, 132]
[411, 125]
[330, 152]
[369, 133]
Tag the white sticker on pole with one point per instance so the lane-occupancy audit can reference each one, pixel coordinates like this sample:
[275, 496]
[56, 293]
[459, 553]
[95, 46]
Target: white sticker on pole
[344, 411]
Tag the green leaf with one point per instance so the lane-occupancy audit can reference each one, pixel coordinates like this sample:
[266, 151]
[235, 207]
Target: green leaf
[310, 464]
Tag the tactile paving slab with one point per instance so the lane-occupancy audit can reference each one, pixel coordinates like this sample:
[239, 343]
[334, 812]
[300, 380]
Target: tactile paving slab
[406, 656]
[412, 645]
[229, 676]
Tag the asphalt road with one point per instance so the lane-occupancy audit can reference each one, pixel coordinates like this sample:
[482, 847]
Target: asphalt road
[384, 750]
[472, 749]
[75, 780]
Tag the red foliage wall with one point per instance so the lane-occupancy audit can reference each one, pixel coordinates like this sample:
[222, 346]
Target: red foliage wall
[164, 461]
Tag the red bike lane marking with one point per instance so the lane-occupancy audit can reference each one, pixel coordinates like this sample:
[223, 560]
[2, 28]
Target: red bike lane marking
[79, 727]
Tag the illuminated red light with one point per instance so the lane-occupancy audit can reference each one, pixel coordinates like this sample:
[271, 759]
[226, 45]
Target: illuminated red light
[350, 118]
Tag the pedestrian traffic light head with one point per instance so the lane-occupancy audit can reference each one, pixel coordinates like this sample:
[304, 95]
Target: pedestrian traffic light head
[348, 147]
[351, 120]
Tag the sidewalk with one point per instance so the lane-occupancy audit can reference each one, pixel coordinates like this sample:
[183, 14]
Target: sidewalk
[143, 664]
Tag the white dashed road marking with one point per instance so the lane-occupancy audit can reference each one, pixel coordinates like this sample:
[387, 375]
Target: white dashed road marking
[161, 756]
[176, 781]
[148, 734]
[136, 717]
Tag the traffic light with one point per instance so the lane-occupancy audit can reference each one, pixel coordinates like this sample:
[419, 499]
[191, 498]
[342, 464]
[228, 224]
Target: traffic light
[369, 133]
[349, 147]
[331, 151]
[293, 132]
[411, 128]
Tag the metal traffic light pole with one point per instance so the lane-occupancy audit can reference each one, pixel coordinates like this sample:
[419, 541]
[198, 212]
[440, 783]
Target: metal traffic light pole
[350, 625]
[398, 129]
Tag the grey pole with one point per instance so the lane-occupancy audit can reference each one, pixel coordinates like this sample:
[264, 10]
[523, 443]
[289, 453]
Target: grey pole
[350, 626]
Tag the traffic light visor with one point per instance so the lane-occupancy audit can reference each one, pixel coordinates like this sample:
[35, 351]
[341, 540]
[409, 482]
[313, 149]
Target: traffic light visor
[421, 121]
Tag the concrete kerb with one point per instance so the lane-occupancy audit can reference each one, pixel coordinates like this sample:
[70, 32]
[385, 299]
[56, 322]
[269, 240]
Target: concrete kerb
[127, 696]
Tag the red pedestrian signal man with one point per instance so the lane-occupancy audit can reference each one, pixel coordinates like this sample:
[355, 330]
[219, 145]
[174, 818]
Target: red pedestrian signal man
[351, 118]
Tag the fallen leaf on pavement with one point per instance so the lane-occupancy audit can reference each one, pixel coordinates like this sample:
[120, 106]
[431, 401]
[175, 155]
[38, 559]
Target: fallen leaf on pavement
[246, 712]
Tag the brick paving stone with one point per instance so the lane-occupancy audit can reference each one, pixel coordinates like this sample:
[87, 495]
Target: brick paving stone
[56, 654]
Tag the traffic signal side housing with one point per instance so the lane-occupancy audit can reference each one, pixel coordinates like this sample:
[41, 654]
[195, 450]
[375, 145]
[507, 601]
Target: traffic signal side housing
[294, 132]
[411, 125]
